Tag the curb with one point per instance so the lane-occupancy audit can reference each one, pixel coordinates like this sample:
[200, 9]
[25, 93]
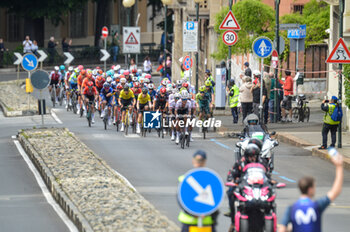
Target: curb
[16, 113]
[58, 194]
[323, 154]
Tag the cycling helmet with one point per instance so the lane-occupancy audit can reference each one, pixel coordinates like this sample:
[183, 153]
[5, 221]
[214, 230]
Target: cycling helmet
[122, 80]
[151, 86]
[169, 86]
[116, 68]
[141, 80]
[179, 82]
[148, 76]
[119, 86]
[82, 72]
[134, 78]
[89, 75]
[137, 85]
[80, 67]
[144, 90]
[177, 96]
[256, 73]
[112, 67]
[185, 85]
[116, 75]
[252, 150]
[76, 70]
[126, 72]
[126, 87]
[121, 71]
[184, 94]
[134, 71]
[70, 69]
[57, 68]
[106, 85]
[202, 89]
[162, 90]
[164, 82]
[257, 142]
[109, 80]
[207, 83]
[62, 67]
[139, 71]
[147, 80]
[94, 72]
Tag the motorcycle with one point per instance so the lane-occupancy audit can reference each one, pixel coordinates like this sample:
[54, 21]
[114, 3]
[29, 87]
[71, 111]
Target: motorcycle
[255, 200]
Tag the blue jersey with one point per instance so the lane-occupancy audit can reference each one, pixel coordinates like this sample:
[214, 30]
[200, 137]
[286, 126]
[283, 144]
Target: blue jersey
[305, 214]
[152, 95]
[104, 92]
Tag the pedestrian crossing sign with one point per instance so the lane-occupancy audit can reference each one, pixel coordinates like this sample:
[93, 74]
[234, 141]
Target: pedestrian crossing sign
[131, 39]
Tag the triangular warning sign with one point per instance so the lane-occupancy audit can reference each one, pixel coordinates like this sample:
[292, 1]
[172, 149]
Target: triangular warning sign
[131, 39]
[340, 54]
[230, 22]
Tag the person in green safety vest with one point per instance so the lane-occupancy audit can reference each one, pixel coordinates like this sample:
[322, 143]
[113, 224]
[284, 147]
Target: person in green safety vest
[233, 94]
[198, 161]
[328, 123]
[209, 77]
[203, 103]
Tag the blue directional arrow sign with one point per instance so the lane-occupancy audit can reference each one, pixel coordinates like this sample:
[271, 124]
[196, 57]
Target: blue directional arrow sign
[262, 47]
[201, 191]
[29, 62]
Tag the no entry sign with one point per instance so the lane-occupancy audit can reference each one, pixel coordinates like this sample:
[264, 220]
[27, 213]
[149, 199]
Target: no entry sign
[230, 38]
[104, 32]
[187, 63]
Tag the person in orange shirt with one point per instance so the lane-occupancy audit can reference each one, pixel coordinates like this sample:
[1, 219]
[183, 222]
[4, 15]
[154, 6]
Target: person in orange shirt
[86, 80]
[80, 82]
[288, 95]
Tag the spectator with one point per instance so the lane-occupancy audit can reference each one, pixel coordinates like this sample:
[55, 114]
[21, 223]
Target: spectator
[276, 90]
[2, 50]
[247, 70]
[246, 97]
[287, 99]
[256, 89]
[328, 123]
[267, 82]
[133, 65]
[101, 42]
[51, 48]
[66, 45]
[239, 80]
[168, 67]
[301, 212]
[27, 45]
[35, 48]
[147, 65]
[115, 46]
[233, 95]
[163, 70]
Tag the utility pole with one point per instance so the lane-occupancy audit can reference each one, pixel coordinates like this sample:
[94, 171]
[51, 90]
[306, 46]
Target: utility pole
[276, 106]
[341, 9]
[229, 52]
[197, 19]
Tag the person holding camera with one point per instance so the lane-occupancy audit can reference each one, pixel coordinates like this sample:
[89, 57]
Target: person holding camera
[27, 45]
[328, 123]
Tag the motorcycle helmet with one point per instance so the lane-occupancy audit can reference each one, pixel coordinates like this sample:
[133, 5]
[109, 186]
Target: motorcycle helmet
[252, 150]
[256, 141]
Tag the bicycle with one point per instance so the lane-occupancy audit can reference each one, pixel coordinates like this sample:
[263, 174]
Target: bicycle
[126, 120]
[74, 100]
[184, 138]
[118, 117]
[301, 112]
[89, 112]
[62, 95]
[105, 118]
[53, 95]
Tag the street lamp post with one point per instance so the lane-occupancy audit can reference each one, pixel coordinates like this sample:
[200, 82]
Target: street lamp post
[197, 53]
[229, 53]
[128, 4]
[276, 106]
[341, 9]
[166, 3]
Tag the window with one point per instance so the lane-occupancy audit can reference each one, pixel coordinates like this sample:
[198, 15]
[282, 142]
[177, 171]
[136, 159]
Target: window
[298, 9]
[204, 5]
[78, 23]
[14, 28]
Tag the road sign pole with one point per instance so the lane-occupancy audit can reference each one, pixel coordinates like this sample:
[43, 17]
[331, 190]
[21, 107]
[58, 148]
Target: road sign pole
[200, 219]
[275, 108]
[297, 65]
[229, 54]
[105, 68]
[341, 9]
[197, 53]
[261, 92]
[28, 93]
[41, 108]
[17, 74]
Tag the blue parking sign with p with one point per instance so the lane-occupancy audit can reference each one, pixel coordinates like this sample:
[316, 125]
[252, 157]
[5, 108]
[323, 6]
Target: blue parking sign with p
[190, 26]
[152, 119]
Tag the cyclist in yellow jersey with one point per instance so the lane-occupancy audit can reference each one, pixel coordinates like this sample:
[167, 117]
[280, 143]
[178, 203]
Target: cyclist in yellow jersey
[143, 103]
[126, 100]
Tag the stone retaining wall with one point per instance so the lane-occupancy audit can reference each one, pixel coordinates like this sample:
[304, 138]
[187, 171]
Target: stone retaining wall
[92, 194]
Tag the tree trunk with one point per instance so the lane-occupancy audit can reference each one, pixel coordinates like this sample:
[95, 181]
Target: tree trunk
[102, 18]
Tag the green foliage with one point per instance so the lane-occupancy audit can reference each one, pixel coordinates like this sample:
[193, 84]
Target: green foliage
[316, 17]
[35, 9]
[255, 18]
[347, 84]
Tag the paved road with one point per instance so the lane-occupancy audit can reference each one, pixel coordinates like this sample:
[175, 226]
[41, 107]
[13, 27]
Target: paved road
[152, 165]
[22, 204]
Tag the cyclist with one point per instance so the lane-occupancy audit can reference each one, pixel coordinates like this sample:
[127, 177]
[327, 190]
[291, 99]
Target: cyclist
[203, 103]
[182, 109]
[172, 104]
[210, 90]
[143, 103]
[67, 84]
[73, 83]
[56, 78]
[126, 100]
[152, 93]
[107, 100]
[89, 95]
[117, 91]
[81, 78]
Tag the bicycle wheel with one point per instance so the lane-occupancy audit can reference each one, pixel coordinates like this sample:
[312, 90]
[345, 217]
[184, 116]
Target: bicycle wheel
[126, 122]
[81, 111]
[187, 140]
[204, 131]
[182, 140]
[61, 96]
[53, 96]
[307, 114]
[295, 114]
[89, 119]
[105, 122]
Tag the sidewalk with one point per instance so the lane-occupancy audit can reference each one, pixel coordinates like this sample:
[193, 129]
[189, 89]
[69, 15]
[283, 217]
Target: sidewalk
[306, 135]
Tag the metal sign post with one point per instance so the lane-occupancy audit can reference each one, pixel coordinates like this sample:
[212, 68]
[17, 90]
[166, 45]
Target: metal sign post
[261, 91]
[41, 105]
[40, 80]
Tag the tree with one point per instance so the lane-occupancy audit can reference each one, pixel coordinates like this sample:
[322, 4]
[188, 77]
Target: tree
[255, 19]
[37, 9]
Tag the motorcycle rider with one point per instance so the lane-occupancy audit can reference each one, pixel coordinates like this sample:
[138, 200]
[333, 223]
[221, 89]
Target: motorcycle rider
[251, 155]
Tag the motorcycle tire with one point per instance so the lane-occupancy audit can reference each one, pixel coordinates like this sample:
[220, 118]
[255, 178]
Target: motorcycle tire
[269, 225]
[243, 225]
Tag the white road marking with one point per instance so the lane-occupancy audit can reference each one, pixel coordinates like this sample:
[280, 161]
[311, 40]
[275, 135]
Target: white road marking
[13, 136]
[126, 181]
[132, 136]
[53, 114]
[44, 189]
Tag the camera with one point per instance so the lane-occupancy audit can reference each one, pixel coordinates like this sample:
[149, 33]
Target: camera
[326, 101]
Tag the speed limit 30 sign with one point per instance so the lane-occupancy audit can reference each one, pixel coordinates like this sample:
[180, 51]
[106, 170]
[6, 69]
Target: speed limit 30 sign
[230, 38]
